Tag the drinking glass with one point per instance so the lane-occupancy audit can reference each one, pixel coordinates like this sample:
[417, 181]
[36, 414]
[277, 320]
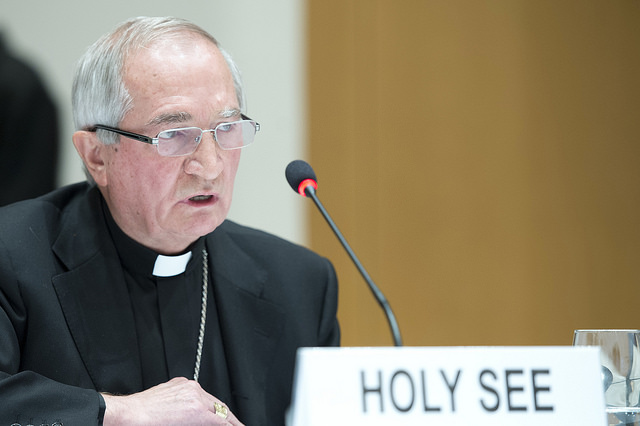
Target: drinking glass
[620, 359]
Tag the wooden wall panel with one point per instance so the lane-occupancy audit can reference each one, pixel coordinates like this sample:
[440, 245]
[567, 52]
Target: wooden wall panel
[483, 159]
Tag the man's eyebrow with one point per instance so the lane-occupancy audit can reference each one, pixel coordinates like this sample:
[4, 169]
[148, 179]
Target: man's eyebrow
[230, 112]
[181, 117]
[171, 117]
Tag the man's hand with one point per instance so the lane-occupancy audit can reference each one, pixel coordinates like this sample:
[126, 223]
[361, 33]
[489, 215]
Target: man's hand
[177, 402]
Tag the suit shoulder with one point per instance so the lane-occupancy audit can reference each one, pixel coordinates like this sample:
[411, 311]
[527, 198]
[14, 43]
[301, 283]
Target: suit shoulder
[39, 212]
[255, 240]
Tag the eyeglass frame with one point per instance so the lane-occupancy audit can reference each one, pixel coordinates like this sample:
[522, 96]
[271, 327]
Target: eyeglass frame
[154, 140]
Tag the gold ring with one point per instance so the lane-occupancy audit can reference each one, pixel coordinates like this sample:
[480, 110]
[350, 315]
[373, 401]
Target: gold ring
[221, 410]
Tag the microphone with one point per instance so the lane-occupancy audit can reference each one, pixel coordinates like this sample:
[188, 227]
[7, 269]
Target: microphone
[303, 180]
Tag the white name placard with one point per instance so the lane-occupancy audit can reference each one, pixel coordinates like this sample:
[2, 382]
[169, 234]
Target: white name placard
[524, 386]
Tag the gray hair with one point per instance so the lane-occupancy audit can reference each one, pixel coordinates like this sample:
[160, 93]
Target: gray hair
[99, 95]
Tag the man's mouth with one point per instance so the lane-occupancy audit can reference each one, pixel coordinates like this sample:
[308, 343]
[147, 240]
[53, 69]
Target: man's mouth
[200, 198]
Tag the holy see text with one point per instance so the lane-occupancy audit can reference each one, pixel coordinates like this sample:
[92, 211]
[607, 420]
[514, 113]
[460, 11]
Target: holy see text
[438, 391]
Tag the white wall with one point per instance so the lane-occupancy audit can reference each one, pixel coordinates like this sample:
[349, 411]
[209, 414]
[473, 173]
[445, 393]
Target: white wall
[266, 39]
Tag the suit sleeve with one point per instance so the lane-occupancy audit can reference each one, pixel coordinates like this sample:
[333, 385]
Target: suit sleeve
[329, 331]
[27, 397]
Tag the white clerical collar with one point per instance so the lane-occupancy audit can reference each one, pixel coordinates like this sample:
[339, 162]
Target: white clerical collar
[168, 266]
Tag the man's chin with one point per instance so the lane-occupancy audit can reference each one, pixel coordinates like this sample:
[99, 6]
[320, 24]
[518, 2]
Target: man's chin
[202, 228]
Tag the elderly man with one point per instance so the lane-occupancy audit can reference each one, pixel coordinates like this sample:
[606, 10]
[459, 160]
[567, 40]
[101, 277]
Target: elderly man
[130, 299]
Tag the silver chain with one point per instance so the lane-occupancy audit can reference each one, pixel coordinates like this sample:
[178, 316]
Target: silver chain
[203, 312]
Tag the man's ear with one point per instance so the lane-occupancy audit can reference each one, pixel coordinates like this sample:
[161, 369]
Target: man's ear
[92, 152]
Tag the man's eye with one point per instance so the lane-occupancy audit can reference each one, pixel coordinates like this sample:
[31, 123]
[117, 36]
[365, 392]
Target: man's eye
[225, 127]
[170, 134]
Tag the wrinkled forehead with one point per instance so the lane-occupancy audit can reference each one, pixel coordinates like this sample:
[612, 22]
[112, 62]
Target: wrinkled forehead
[181, 44]
[179, 76]
[176, 61]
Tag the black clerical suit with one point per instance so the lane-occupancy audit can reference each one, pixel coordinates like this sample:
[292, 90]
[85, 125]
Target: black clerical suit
[67, 327]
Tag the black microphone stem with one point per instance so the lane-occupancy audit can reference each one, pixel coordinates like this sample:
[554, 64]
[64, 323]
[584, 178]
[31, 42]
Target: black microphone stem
[382, 300]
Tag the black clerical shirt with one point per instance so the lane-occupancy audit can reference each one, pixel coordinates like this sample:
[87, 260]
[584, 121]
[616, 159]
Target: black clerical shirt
[167, 313]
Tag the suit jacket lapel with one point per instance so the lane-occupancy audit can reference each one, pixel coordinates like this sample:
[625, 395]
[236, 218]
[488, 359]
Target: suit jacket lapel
[95, 300]
[250, 325]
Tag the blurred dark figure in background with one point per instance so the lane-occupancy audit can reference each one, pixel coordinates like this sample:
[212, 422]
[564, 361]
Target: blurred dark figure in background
[28, 131]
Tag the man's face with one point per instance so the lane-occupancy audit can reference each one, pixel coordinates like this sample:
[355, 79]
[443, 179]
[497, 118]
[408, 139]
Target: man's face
[166, 203]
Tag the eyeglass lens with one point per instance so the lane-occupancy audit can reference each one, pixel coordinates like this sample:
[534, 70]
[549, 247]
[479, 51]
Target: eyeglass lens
[184, 141]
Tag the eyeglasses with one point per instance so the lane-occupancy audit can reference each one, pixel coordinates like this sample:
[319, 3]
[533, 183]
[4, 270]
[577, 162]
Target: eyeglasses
[185, 140]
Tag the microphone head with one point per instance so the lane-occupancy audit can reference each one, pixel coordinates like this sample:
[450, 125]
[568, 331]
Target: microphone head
[301, 176]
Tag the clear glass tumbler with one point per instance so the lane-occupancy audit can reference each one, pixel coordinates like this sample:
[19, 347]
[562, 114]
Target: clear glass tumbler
[620, 359]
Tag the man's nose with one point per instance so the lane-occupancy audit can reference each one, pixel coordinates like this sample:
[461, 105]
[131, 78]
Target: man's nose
[206, 161]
